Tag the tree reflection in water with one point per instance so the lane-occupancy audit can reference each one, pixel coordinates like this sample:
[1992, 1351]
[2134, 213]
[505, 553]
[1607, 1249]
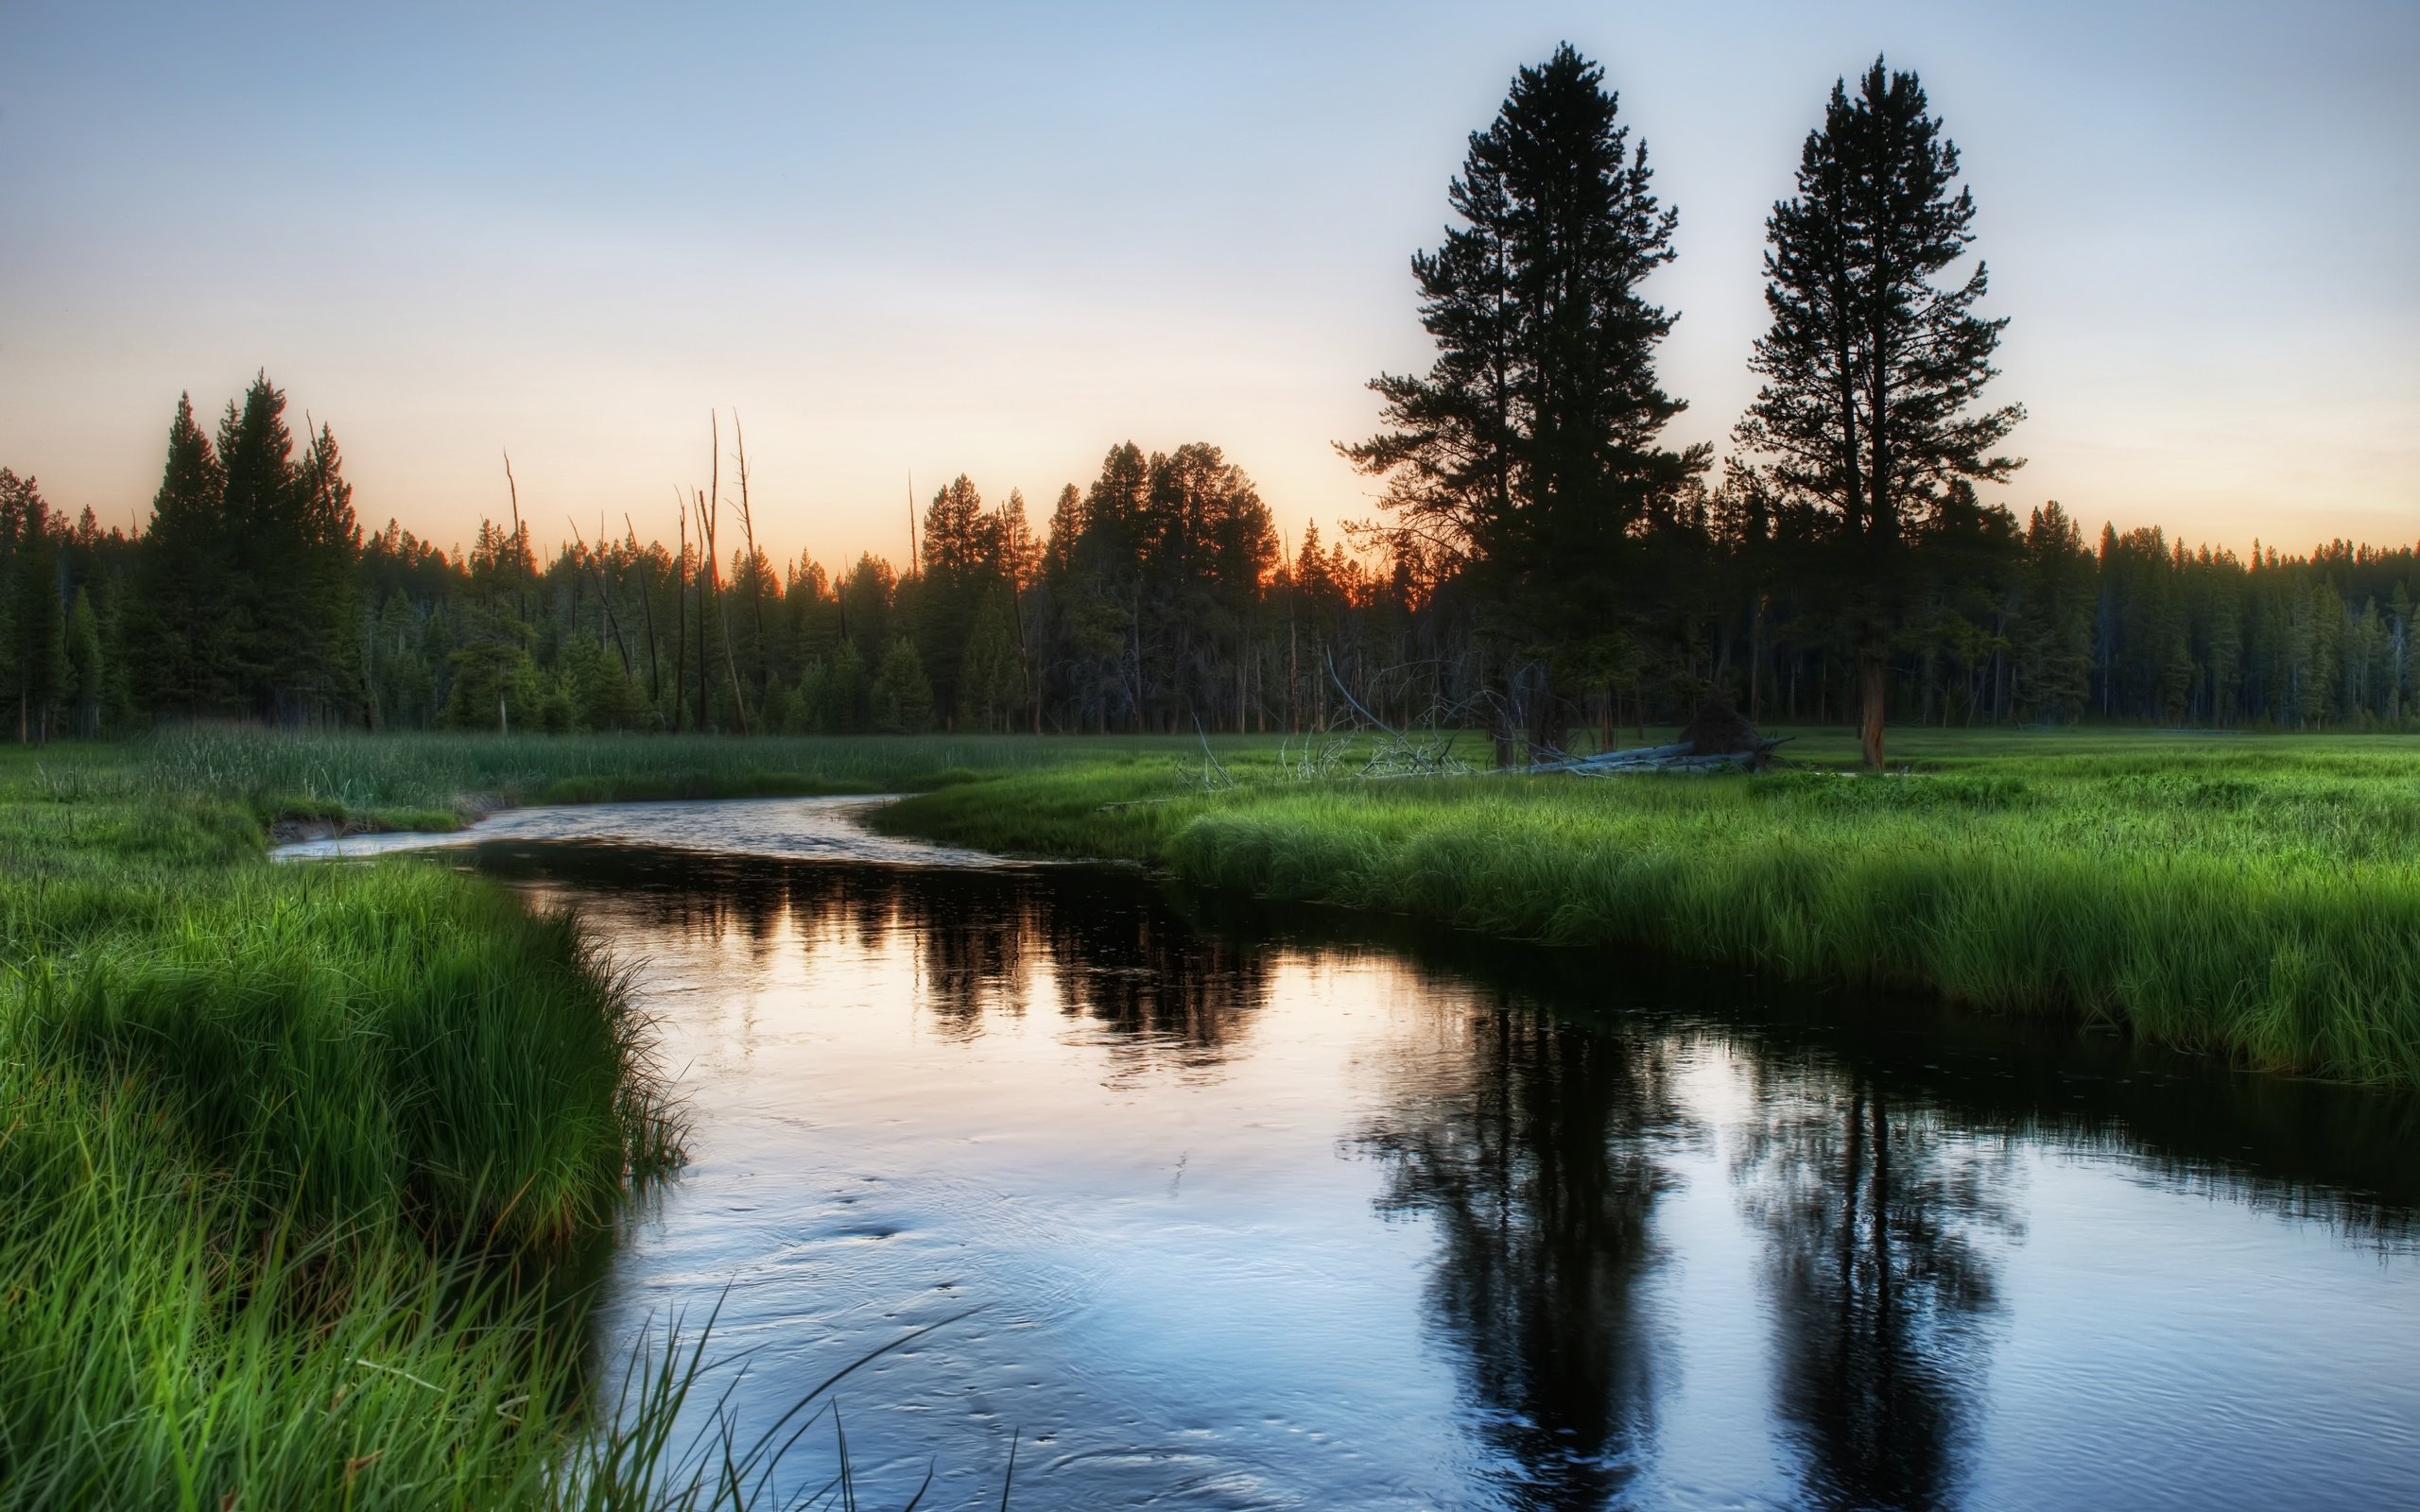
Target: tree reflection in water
[1539, 1146]
[1872, 1157]
[1164, 993]
[1536, 1150]
[1878, 1224]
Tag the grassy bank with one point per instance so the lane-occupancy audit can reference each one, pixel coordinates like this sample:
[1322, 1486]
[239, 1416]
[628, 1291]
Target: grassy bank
[2257, 896]
[302, 1168]
[308, 1168]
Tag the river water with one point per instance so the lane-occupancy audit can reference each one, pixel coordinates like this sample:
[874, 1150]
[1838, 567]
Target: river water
[1242, 1208]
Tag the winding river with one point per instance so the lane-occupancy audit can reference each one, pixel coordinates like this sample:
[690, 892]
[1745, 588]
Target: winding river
[1218, 1207]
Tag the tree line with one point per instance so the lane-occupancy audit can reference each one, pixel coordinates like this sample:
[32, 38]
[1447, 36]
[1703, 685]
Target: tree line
[1543, 564]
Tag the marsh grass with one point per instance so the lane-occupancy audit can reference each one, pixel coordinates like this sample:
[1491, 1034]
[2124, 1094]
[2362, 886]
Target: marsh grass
[396, 780]
[307, 1171]
[2256, 897]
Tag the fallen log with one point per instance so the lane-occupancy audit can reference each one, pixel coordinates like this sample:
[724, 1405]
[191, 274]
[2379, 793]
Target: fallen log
[1682, 757]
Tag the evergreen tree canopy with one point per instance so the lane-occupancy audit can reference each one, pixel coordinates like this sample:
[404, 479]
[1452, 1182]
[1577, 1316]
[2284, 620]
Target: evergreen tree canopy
[1872, 366]
[1527, 457]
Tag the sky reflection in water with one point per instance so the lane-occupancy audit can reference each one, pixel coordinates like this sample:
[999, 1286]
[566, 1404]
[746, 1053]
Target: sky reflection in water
[1253, 1215]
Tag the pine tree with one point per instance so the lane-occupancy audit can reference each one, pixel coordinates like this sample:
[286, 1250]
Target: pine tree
[179, 630]
[2054, 629]
[1871, 368]
[903, 699]
[33, 612]
[991, 678]
[85, 678]
[1527, 456]
[959, 565]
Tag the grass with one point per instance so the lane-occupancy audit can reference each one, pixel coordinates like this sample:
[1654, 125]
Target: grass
[2256, 897]
[431, 780]
[2252, 896]
[308, 1171]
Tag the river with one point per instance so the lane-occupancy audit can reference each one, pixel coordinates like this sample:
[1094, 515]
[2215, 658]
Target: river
[1221, 1206]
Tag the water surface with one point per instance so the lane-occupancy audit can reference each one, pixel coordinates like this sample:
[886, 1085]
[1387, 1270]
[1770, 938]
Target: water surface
[1269, 1212]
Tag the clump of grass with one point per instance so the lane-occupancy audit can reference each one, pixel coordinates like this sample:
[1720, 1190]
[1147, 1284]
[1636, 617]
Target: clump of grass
[307, 1169]
[304, 1168]
[2256, 897]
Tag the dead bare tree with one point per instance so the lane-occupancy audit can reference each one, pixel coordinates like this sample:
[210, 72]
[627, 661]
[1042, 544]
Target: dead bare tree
[709, 508]
[756, 570]
[604, 594]
[647, 609]
[680, 619]
[520, 541]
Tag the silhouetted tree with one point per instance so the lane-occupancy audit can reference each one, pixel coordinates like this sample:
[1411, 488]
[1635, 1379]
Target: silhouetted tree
[180, 627]
[1527, 456]
[1872, 367]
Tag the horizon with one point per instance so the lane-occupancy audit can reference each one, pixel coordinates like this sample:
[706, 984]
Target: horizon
[450, 257]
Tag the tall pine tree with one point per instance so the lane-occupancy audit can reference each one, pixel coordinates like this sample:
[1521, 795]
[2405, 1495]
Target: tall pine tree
[178, 635]
[1872, 366]
[1528, 455]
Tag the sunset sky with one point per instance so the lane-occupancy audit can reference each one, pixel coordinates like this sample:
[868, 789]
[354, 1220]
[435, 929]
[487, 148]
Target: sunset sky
[997, 240]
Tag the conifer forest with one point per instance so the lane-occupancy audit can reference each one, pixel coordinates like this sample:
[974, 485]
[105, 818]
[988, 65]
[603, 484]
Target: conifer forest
[1539, 565]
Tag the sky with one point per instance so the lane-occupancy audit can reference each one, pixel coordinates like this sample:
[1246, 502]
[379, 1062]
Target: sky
[906, 242]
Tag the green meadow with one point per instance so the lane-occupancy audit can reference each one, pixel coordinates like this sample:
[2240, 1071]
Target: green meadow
[309, 1166]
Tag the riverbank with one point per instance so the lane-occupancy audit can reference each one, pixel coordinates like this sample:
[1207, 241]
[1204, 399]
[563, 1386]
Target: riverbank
[2256, 897]
[310, 1167]
[307, 1167]
[2252, 896]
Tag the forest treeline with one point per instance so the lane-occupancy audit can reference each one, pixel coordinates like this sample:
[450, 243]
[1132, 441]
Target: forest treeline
[1155, 597]
[1541, 562]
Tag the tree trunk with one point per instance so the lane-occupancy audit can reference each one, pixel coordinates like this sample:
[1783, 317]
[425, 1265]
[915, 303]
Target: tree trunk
[1873, 664]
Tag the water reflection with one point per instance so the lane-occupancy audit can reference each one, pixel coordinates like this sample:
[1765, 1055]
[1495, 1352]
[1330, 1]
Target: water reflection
[1114, 953]
[1539, 1150]
[1874, 1213]
[1272, 1211]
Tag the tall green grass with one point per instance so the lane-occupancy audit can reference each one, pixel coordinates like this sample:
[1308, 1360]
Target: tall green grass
[2256, 897]
[306, 1174]
[305, 1170]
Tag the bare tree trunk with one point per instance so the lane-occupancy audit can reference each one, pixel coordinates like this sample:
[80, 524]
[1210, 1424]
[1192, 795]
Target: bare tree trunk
[710, 511]
[755, 571]
[604, 594]
[1872, 666]
[646, 608]
[1293, 678]
[706, 592]
[681, 621]
[1757, 659]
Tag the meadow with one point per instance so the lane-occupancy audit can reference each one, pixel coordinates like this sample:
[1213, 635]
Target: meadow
[310, 1166]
